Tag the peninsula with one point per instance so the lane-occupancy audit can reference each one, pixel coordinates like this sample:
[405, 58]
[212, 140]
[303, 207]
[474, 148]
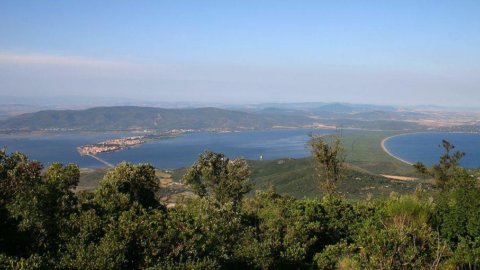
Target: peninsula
[126, 142]
[110, 145]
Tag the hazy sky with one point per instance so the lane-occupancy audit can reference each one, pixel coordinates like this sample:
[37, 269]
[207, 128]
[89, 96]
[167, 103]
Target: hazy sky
[383, 52]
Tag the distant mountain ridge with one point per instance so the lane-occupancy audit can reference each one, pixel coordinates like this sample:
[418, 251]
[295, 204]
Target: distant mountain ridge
[263, 116]
[151, 118]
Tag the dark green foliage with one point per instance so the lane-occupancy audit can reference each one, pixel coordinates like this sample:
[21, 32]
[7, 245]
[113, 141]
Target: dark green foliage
[342, 219]
[398, 236]
[203, 230]
[283, 231]
[15, 263]
[287, 233]
[126, 184]
[331, 257]
[123, 225]
[133, 240]
[224, 179]
[458, 219]
[17, 176]
[35, 208]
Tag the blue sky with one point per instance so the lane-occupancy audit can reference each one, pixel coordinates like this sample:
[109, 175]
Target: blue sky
[383, 52]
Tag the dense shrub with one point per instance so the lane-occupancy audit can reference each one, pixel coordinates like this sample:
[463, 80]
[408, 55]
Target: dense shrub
[44, 224]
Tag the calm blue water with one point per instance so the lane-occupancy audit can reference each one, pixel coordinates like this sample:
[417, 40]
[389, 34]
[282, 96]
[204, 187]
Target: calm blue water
[424, 147]
[56, 148]
[169, 153]
[272, 144]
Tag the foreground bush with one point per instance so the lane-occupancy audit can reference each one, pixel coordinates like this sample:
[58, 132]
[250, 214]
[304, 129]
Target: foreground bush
[123, 225]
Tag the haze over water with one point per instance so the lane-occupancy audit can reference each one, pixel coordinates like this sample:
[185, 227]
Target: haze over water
[382, 52]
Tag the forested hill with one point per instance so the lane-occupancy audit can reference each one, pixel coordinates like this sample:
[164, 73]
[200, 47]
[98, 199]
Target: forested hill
[137, 118]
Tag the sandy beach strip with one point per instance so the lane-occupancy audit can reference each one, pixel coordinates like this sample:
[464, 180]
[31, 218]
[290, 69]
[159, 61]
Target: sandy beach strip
[390, 153]
[399, 178]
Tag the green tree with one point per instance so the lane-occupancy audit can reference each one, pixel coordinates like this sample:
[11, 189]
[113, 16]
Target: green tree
[399, 236]
[35, 207]
[121, 226]
[283, 233]
[131, 239]
[458, 219]
[126, 184]
[328, 158]
[447, 167]
[18, 178]
[202, 232]
[215, 175]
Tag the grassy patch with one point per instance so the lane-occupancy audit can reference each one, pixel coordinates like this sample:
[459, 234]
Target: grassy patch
[297, 178]
[89, 178]
[363, 149]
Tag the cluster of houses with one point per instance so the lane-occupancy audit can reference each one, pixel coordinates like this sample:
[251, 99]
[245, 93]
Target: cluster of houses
[110, 145]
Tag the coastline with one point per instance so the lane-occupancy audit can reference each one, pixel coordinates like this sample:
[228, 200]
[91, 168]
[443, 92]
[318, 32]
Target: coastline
[385, 149]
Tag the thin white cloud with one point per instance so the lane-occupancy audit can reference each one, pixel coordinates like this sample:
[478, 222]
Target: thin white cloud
[35, 59]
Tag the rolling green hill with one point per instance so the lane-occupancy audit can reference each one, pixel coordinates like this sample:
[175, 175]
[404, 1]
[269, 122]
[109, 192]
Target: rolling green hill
[139, 118]
[297, 178]
[124, 118]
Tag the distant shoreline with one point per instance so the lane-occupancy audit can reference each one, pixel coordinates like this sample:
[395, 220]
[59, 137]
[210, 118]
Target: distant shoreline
[385, 149]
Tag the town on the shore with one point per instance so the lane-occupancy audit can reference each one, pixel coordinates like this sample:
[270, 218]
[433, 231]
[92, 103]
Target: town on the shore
[127, 142]
[110, 145]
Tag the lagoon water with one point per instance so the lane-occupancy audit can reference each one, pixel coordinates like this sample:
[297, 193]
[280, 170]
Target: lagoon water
[425, 147]
[168, 153]
[56, 148]
[271, 144]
